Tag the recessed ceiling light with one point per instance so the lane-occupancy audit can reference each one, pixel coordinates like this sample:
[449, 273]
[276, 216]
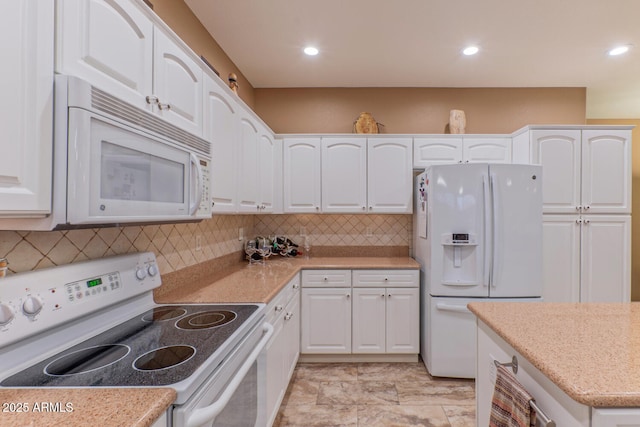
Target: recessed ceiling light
[619, 50]
[470, 50]
[311, 51]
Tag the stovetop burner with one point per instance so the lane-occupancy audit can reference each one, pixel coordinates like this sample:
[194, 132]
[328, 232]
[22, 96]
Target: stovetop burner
[86, 360]
[206, 320]
[164, 358]
[162, 346]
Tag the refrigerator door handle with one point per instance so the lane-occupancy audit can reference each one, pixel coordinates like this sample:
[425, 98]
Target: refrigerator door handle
[455, 308]
[493, 180]
[486, 231]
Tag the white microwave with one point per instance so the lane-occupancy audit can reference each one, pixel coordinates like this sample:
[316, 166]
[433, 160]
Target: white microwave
[117, 164]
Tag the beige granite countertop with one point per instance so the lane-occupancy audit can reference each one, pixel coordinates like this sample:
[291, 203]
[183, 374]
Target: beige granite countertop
[79, 407]
[589, 350]
[261, 282]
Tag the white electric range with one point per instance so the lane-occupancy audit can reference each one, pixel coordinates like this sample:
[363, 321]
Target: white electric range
[95, 324]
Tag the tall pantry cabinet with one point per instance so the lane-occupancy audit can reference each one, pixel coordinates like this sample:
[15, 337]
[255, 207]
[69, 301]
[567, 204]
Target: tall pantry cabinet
[586, 192]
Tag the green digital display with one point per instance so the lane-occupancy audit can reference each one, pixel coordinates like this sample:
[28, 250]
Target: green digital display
[94, 282]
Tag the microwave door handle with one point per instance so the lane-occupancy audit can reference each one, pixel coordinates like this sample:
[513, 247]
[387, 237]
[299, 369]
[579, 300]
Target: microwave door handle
[195, 163]
[207, 414]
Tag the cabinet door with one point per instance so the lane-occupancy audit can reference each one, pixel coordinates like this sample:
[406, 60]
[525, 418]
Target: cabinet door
[606, 171]
[344, 175]
[559, 154]
[390, 175]
[177, 83]
[369, 316]
[615, 417]
[301, 175]
[292, 333]
[486, 149]
[249, 170]
[26, 119]
[561, 258]
[268, 159]
[221, 129]
[326, 320]
[606, 249]
[107, 43]
[403, 320]
[436, 151]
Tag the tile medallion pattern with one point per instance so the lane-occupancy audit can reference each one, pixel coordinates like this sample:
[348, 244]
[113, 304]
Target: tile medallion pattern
[377, 395]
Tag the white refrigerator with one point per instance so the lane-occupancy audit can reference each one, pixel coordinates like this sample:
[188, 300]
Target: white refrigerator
[478, 237]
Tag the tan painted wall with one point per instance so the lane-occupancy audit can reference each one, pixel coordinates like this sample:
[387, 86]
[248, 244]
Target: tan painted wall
[186, 25]
[635, 200]
[418, 110]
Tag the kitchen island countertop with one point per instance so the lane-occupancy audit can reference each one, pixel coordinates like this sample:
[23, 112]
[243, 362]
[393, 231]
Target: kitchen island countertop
[589, 350]
[131, 407]
[261, 282]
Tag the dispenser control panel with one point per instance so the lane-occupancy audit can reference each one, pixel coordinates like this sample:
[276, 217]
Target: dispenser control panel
[459, 239]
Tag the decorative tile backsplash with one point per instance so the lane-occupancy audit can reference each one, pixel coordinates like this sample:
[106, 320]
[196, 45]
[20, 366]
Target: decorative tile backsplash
[182, 245]
[176, 245]
[339, 230]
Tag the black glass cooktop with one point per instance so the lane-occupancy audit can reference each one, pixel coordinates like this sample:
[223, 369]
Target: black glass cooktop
[163, 346]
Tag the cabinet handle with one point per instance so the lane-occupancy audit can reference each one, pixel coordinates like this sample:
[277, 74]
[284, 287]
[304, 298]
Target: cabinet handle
[370, 208]
[296, 286]
[152, 99]
[578, 208]
[325, 279]
[317, 208]
[386, 279]
[459, 161]
[578, 221]
[348, 296]
[288, 316]
[363, 208]
[162, 106]
[586, 208]
[382, 295]
[279, 308]
[389, 295]
[587, 221]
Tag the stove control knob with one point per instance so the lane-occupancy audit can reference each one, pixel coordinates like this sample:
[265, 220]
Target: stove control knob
[6, 314]
[152, 270]
[141, 273]
[31, 306]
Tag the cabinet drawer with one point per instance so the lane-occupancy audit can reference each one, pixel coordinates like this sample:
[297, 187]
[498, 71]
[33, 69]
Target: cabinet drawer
[291, 289]
[326, 278]
[386, 278]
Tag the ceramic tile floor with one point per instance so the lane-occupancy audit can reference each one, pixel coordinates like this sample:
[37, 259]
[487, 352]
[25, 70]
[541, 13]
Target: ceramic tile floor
[375, 395]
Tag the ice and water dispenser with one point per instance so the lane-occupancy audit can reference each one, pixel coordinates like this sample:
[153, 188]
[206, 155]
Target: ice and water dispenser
[461, 256]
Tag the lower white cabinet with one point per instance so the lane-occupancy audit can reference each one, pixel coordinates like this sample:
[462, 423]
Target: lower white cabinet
[282, 350]
[609, 417]
[586, 258]
[326, 320]
[385, 320]
[360, 312]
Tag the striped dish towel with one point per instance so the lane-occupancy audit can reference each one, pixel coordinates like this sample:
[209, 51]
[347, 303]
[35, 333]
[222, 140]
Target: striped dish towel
[510, 404]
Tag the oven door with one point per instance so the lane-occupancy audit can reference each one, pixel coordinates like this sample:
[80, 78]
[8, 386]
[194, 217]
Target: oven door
[235, 394]
[119, 174]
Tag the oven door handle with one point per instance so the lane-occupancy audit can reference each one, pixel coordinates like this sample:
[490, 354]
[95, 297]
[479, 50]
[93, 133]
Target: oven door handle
[207, 414]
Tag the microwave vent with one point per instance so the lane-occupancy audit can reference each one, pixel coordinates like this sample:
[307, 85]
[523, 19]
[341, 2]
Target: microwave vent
[115, 107]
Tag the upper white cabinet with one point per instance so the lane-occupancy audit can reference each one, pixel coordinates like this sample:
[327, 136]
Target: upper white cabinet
[447, 149]
[177, 84]
[390, 176]
[344, 175]
[26, 119]
[301, 170]
[117, 47]
[360, 175]
[585, 170]
[270, 163]
[221, 128]
[107, 43]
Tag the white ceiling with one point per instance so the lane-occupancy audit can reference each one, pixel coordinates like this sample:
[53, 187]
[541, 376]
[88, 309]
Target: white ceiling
[418, 43]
